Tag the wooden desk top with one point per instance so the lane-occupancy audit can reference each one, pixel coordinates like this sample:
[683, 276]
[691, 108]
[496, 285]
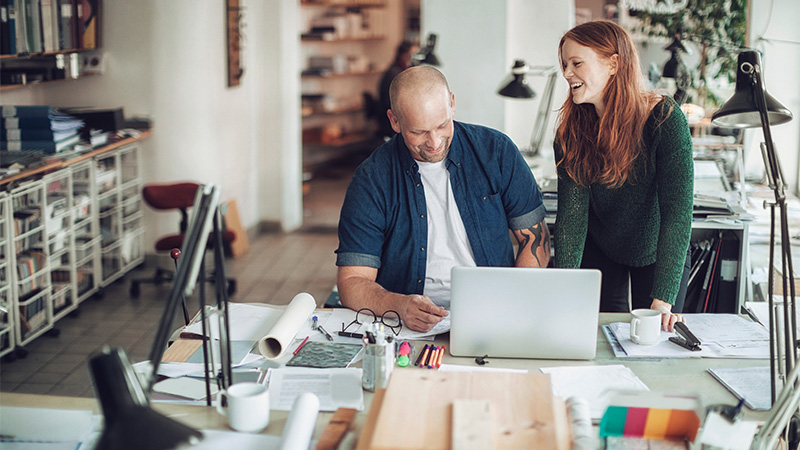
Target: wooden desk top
[60, 164]
[667, 375]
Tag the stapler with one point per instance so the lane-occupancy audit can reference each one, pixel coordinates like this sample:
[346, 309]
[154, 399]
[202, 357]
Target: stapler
[685, 338]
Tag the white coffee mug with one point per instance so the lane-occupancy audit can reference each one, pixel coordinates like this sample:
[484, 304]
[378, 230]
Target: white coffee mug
[247, 406]
[645, 326]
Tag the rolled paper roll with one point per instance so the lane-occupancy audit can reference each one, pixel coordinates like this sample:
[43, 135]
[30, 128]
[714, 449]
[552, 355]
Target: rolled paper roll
[277, 341]
[300, 425]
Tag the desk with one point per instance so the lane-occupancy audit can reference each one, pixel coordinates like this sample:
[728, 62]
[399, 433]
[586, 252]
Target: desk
[669, 375]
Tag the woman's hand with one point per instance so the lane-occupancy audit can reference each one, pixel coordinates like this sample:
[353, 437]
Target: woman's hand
[668, 319]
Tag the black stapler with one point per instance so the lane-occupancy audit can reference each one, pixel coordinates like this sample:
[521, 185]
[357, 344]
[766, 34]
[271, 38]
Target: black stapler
[685, 338]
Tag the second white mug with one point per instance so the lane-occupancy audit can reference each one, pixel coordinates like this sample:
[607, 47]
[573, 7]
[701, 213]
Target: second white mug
[247, 406]
[645, 326]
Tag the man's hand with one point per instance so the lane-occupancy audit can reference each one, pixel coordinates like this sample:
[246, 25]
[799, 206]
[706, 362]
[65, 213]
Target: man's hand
[419, 313]
[668, 319]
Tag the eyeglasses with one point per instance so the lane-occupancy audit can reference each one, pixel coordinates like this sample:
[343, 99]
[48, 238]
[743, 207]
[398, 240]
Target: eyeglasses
[365, 316]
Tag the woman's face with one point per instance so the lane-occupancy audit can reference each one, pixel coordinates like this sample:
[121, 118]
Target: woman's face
[587, 73]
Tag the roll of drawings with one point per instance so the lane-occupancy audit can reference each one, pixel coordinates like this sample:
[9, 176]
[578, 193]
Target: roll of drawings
[275, 343]
[580, 422]
[300, 425]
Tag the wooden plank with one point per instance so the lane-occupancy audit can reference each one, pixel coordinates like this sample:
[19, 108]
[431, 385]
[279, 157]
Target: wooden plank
[233, 222]
[336, 429]
[368, 431]
[181, 350]
[416, 409]
[472, 425]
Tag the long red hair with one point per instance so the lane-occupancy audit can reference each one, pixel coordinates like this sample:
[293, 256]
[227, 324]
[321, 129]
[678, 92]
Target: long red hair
[603, 149]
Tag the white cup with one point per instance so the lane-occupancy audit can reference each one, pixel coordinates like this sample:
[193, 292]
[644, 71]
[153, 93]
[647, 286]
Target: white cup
[645, 326]
[247, 406]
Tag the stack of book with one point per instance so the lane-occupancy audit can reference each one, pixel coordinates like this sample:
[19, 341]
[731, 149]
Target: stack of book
[38, 127]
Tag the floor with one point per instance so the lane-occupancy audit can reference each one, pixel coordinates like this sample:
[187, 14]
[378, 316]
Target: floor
[277, 267]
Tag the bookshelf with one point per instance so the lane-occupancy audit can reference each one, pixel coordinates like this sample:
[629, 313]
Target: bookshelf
[346, 45]
[66, 231]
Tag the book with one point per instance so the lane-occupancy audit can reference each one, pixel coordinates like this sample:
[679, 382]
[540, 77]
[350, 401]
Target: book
[33, 25]
[53, 122]
[5, 47]
[66, 24]
[29, 111]
[45, 146]
[35, 134]
[49, 26]
[87, 15]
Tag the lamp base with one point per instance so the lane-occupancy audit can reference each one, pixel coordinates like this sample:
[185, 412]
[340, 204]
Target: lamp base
[140, 427]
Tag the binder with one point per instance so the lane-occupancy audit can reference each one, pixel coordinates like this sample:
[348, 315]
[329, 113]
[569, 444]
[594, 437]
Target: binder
[5, 46]
[708, 283]
[727, 275]
[87, 15]
[66, 24]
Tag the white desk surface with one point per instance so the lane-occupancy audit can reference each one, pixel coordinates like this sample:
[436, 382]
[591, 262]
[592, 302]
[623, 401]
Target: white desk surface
[667, 375]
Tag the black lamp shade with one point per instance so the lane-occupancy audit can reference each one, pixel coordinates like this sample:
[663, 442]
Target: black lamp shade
[516, 86]
[672, 66]
[741, 110]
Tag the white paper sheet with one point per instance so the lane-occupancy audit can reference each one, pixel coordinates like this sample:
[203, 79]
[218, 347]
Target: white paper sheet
[45, 424]
[342, 317]
[249, 321]
[591, 382]
[186, 387]
[217, 439]
[281, 334]
[336, 388]
[721, 336]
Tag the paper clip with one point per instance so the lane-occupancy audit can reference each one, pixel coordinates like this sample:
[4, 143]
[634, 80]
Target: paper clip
[685, 338]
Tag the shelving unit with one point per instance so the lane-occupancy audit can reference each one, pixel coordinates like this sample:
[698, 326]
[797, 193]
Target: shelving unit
[346, 46]
[64, 235]
[6, 305]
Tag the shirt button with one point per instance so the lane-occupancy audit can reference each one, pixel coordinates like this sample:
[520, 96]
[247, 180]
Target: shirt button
[422, 216]
[423, 249]
[484, 198]
[417, 184]
[419, 281]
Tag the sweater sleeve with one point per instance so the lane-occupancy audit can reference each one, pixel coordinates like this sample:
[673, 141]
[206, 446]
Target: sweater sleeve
[572, 218]
[672, 147]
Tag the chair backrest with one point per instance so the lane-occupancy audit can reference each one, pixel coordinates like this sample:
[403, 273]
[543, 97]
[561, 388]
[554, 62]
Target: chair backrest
[171, 196]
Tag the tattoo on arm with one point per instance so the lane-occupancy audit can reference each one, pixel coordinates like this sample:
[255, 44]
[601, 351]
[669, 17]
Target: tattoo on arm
[541, 239]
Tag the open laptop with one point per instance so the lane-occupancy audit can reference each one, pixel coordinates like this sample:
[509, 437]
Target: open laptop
[524, 313]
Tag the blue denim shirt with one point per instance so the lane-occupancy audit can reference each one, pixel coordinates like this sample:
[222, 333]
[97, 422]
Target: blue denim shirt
[383, 221]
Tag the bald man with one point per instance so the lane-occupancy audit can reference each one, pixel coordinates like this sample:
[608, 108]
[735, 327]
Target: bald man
[439, 194]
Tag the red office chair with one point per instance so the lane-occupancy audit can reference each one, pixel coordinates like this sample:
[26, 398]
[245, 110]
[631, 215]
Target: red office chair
[175, 196]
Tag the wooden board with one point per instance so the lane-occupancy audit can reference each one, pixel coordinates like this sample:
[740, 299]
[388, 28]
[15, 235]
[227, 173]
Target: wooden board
[233, 222]
[416, 411]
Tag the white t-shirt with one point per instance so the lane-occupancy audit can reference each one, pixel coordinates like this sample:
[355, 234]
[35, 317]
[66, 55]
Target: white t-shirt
[448, 245]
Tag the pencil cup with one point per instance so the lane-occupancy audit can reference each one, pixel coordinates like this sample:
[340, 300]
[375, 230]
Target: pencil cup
[377, 366]
[645, 326]
[247, 406]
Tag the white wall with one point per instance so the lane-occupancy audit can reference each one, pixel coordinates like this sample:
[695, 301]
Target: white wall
[167, 60]
[478, 43]
[777, 19]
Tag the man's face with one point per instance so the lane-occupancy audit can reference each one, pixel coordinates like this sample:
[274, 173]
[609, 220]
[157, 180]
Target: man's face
[426, 124]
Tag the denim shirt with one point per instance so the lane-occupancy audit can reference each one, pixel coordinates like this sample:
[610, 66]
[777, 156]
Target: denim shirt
[383, 221]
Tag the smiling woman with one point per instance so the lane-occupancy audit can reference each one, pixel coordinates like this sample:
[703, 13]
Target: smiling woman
[624, 162]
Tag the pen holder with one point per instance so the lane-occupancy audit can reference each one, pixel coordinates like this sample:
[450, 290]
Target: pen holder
[377, 365]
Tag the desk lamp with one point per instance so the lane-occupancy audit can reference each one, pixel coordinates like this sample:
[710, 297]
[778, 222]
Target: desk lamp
[516, 86]
[751, 106]
[674, 67]
[425, 55]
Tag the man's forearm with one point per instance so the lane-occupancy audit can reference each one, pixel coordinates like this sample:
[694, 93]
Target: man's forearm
[534, 246]
[358, 292]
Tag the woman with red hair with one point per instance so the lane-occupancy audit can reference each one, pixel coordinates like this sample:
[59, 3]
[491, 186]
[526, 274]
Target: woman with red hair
[625, 175]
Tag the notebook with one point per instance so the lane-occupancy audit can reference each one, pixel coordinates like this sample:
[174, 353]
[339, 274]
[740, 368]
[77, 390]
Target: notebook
[524, 313]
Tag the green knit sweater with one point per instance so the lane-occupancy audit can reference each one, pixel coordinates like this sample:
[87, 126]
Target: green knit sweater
[642, 222]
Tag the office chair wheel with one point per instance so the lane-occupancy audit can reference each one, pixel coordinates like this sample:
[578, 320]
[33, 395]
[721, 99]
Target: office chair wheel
[53, 333]
[231, 287]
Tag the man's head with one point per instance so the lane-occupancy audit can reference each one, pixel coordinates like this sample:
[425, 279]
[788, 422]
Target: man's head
[422, 111]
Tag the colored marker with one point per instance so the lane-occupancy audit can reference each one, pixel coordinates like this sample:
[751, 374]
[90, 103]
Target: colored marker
[430, 357]
[441, 355]
[423, 355]
[435, 358]
[301, 345]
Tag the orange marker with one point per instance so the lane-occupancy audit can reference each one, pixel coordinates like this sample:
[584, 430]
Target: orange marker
[441, 355]
[425, 355]
[431, 357]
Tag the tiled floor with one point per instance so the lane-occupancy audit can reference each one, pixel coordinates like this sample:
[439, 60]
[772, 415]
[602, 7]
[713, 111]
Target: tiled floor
[278, 266]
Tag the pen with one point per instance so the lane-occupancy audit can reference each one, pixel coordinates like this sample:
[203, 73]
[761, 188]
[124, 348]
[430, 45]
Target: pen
[323, 331]
[301, 345]
[421, 355]
[314, 323]
[351, 335]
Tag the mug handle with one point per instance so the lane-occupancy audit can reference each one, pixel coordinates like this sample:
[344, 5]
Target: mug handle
[634, 326]
[220, 408]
